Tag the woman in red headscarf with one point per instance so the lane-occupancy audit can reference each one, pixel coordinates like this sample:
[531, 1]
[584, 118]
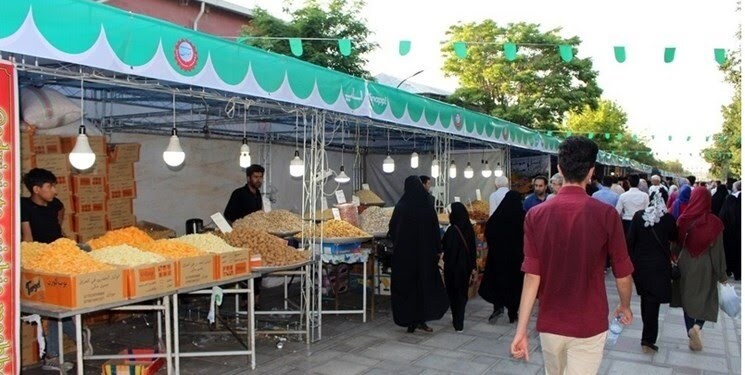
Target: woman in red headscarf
[702, 264]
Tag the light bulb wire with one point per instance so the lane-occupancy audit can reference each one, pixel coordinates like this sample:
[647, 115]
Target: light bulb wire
[245, 119]
[174, 111]
[82, 95]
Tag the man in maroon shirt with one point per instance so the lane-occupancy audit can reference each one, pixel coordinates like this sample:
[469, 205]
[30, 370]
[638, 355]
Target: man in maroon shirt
[566, 243]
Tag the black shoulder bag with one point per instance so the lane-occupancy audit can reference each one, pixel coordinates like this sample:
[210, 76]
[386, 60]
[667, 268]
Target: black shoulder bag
[675, 270]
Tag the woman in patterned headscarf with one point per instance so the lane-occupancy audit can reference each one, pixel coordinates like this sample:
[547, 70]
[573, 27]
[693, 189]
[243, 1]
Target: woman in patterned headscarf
[648, 241]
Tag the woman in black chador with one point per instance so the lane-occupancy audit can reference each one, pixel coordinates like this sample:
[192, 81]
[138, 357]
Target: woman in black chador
[459, 247]
[417, 292]
[503, 280]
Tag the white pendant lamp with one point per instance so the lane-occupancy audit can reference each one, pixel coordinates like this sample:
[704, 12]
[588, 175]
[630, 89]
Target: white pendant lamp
[414, 160]
[435, 170]
[499, 172]
[486, 171]
[244, 160]
[174, 155]
[389, 165]
[297, 166]
[82, 157]
[468, 172]
[453, 170]
[342, 177]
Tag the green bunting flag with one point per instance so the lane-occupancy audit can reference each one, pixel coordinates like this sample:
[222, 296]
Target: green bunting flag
[591, 135]
[460, 49]
[404, 47]
[565, 51]
[670, 138]
[550, 133]
[707, 138]
[510, 51]
[720, 55]
[620, 52]
[607, 135]
[296, 46]
[688, 139]
[669, 54]
[345, 47]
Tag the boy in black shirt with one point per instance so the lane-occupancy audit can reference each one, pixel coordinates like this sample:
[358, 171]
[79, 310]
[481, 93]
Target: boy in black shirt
[41, 221]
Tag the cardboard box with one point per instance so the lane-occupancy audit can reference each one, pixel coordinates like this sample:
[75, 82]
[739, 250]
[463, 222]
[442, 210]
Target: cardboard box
[84, 237]
[156, 231]
[55, 163]
[195, 270]
[89, 203]
[124, 152]
[29, 345]
[150, 279]
[120, 221]
[255, 261]
[133, 366]
[230, 265]
[78, 291]
[119, 207]
[89, 222]
[64, 184]
[122, 189]
[97, 142]
[84, 184]
[27, 143]
[66, 199]
[121, 171]
[28, 162]
[48, 144]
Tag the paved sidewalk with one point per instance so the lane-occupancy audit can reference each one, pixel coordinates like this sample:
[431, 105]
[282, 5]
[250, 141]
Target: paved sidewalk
[380, 347]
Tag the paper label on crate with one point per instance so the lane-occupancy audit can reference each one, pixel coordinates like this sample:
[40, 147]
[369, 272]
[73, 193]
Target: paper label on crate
[336, 213]
[340, 197]
[478, 194]
[266, 204]
[324, 204]
[365, 187]
[221, 223]
[456, 199]
[355, 200]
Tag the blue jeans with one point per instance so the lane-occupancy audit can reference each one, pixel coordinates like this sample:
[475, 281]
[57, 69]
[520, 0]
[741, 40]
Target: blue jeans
[690, 322]
[68, 328]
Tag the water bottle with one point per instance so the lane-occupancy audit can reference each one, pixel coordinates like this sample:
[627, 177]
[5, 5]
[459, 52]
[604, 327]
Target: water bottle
[615, 329]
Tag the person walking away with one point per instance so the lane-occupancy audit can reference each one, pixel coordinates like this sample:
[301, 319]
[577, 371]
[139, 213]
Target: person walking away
[540, 184]
[648, 242]
[41, 221]
[681, 202]
[503, 280]
[606, 193]
[427, 182]
[557, 180]
[643, 186]
[503, 186]
[631, 201]
[731, 217]
[616, 187]
[657, 181]
[702, 264]
[417, 292]
[459, 255]
[566, 242]
[717, 200]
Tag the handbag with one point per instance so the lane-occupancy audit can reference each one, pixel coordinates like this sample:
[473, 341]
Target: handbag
[674, 269]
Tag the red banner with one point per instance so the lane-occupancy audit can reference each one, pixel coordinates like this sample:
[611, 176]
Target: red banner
[9, 221]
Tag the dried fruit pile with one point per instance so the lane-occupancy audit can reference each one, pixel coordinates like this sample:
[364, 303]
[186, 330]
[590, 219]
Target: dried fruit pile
[62, 256]
[171, 249]
[376, 219]
[478, 210]
[125, 236]
[125, 256]
[274, 251]
[367, 197]
[207, 242]
[335, 229]
[278, 221]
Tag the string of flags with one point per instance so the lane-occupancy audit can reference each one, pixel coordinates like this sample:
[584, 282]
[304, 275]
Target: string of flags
[460, 48]
[620, 136]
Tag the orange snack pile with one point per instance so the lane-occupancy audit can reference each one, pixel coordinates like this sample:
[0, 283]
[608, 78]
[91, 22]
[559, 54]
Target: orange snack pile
[125, 236]
[171, 249]
[62, 256]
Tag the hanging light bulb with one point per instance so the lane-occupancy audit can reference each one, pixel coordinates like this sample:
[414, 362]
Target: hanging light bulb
[389, 165]
[435, 170]
[468, 172]
[245, 157]
[499, 172]
[414, 160]
[297, 166]
[82, 157]
[453, 170]
[174, 155]
[342, 177]
[486, 172]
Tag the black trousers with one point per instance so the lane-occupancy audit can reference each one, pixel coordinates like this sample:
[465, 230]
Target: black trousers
[650, 319]
[457, 289]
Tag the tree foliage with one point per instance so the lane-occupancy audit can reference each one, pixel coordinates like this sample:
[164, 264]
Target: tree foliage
[537, 89]
[340, 19]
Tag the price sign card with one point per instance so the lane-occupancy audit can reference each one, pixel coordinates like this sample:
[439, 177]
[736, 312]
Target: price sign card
[340, 198]
[336, 213]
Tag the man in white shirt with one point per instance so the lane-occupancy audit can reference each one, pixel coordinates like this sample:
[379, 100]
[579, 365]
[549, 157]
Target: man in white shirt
[631, 201]
[503, 186]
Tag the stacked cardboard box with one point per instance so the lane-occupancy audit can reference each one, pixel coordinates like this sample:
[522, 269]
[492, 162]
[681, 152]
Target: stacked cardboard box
[121, 188]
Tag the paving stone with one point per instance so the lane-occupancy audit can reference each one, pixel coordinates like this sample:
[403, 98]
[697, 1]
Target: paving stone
[697, 360]
[340, 367]
[633, 368]
[448, 340]
[395, 351]
[517, 367]
[438, 362]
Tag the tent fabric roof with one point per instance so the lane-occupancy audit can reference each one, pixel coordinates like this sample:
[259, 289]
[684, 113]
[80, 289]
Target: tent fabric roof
[99, 36]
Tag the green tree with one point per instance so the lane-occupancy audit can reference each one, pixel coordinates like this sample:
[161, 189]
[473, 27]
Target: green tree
[537, 89]
[340, 19]
[674, 166]
[609, 118]
[725, 154]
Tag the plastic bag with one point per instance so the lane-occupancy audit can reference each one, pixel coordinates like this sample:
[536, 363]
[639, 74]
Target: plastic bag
[729, 301]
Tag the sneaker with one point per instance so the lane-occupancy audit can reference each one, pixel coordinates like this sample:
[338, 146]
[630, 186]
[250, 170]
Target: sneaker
[52, 364]
[649, 348]
[694, 339]
[495, 315]
[87, 347]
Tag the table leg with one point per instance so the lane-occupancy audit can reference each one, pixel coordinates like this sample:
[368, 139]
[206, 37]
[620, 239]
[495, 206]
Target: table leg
[364, 291]
[177, 341]
[251, 322]
[307, 300]
[61, 347]
[169, 347]
[78, 343]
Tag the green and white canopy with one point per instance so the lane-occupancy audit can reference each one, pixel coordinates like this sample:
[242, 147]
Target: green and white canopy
[104, 37]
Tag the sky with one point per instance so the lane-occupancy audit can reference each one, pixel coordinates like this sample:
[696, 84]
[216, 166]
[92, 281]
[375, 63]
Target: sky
[681, 99]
